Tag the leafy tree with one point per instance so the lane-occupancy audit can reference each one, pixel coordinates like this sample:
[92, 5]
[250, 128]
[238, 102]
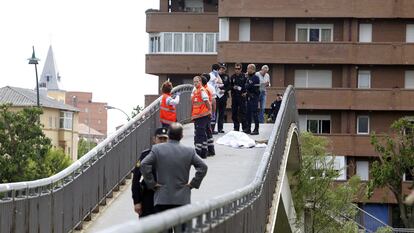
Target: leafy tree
[22, 143]
[25, 152]
[84, 146]
[136, 110]
[325, 204]
[56, 160]
[395, 157]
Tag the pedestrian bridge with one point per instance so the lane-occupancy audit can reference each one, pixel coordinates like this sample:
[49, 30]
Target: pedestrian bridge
[245, 190]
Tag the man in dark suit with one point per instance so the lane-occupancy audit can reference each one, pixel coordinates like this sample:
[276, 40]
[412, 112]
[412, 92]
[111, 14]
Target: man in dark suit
[142, 196]
[172, 162]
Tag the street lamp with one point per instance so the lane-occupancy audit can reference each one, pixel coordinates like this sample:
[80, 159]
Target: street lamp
[34, 60]
[112, 107]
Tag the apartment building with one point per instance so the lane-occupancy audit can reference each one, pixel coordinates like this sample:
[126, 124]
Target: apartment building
[351, 62]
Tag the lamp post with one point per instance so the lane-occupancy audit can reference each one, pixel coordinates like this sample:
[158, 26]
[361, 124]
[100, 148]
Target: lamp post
[112, 107]
[33, 60]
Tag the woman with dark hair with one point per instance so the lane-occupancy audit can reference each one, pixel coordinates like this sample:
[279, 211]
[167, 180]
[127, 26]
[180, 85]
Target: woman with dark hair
[168, 113]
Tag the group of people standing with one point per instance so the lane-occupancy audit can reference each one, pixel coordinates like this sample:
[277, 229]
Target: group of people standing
[165, 167]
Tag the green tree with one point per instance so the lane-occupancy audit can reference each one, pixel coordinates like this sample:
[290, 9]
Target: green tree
[22, 144]
[84, 146]
[395, 157]
[55, 161]
[136, 110]
[325, 204]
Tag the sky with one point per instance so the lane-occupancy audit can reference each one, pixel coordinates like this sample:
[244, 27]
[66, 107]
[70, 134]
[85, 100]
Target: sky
[99, 46]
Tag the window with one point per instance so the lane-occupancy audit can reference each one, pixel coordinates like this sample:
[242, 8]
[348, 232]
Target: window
[224, 29]
[339, 166]
[365, 32]
[410, 33]
[199, 42]
[168, 42]
[178, 42]
[313, 78]
[50, 122]
[364, 79]
[66, 120]
[244, 29]
[314, 32]
[317, 124]
[189, 44]
[362, 170]
[363, 125]
[69, 151]
[408, 176]
[409, 79]
[155, 43]
[210, 39]
[194, 6]
[47, 78]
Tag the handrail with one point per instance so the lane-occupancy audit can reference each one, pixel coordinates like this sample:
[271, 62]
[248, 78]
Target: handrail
[89, 156]
[208, 214]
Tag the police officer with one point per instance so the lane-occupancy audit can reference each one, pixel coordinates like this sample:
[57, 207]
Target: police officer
[253, 92]
[142, 196]
[200, 114]
[238, 97]
[211, 97]
[222, 95]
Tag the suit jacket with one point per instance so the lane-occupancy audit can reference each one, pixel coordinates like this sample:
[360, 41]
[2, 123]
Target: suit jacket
[172, 162]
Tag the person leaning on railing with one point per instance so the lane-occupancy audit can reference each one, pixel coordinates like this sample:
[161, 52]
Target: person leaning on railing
[168, 113]
[142, 196]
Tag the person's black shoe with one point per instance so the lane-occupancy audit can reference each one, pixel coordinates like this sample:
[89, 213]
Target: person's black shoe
[215, 132]
[236, 129]
[221, 131]
[246, 131]
[255, 132]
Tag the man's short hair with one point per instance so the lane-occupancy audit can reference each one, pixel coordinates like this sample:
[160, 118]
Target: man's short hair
[238, 65]
[215, 67]
[252, 65]
[166, 87]
[175, 131]
[205, 78]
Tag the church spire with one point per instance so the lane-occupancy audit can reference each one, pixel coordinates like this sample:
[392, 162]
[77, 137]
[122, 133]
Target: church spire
[50, 78]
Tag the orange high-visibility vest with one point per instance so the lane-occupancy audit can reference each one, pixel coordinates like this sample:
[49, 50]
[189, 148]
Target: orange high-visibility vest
[167, 112]
[199, 108]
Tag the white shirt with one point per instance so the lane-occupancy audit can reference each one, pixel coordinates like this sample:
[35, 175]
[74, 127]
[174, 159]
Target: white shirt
[173, 101]
[263, 80]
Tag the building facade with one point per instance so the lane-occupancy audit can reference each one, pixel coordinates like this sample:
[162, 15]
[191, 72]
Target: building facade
[92, 114]
[60, 121]
[351, 62]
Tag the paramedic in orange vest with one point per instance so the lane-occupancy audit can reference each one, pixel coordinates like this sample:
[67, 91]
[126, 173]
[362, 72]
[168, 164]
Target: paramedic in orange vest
[168, 114]
[212, 98]
[200, 114]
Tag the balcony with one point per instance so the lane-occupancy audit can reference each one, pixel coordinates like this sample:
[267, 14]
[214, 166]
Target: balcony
[317, 8]
[389, 99]
[181, 22]
[178, 63]
[317, 53]
[351, 144]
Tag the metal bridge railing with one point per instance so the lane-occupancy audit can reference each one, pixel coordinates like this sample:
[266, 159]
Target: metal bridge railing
[243, 210]
[61, 202]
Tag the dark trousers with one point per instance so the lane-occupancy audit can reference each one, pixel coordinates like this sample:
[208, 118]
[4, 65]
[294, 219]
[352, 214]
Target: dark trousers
[147, 202]
[200, 136]
[221, 107]
[238, 112]
[252, 113]
[210, 141]
[161, 208]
